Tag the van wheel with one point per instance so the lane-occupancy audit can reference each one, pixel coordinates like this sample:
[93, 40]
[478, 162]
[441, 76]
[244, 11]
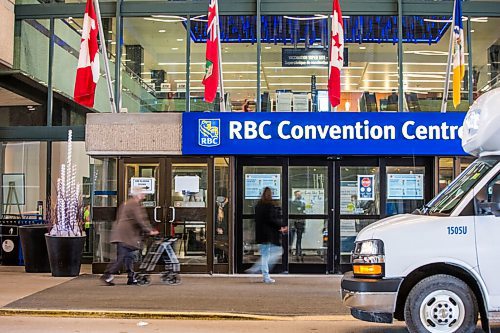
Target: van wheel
[441, 303]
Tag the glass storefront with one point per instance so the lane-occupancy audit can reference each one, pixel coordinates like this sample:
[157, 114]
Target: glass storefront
[162, 61]
[329, 203]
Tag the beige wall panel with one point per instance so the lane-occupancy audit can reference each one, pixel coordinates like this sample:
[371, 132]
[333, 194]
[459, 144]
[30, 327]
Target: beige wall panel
[134, 134]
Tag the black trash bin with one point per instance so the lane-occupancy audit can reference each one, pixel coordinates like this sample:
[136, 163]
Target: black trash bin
[9, 238]
[36, 259]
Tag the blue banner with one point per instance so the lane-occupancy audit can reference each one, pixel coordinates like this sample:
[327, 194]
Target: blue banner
[318, 133]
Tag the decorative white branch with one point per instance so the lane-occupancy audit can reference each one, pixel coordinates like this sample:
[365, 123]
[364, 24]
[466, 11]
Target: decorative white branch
[68, 204]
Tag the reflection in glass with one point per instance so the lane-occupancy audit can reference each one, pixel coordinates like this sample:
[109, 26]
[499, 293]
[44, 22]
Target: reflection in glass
[308, 241]
[255, 179]
[405, 189]
[359, 191]
[307, 190]
[189, 201]
[349, 229]
[222, 205]
[446, 172]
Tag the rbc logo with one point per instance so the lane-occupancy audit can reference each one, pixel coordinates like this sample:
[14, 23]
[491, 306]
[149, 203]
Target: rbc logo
[209, 132]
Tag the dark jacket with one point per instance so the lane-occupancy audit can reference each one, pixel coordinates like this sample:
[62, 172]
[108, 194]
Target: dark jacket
[267, 224]
[131, 224]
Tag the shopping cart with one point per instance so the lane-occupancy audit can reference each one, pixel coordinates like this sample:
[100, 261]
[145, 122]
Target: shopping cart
[160, 252]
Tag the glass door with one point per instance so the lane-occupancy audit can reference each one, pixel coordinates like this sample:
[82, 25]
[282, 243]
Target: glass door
[357, 204]
[146, 174]
[308, 218]
[252, 179]
[189, 212]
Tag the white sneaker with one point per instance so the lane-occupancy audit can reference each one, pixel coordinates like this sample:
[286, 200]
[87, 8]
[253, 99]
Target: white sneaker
[269, 280]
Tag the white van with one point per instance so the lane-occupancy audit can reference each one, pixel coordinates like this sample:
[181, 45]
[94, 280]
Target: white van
[439, 267]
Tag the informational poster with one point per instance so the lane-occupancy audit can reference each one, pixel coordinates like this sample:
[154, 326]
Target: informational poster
[187, 184]
[313, 198]
[284, 102]
[256, 183]
[348, 197]
[147, 184]
[300, 103]
[366, 187]
[405, 186]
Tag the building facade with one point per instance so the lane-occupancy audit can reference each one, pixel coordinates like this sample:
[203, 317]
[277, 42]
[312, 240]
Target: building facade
[274, 56]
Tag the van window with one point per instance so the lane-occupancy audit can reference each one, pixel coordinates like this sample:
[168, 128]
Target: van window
[446, 201]
[487, 201]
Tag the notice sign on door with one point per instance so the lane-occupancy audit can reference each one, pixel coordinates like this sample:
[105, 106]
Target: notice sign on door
[255, 184]
[365, 187]
[147, 184]
[405, 186]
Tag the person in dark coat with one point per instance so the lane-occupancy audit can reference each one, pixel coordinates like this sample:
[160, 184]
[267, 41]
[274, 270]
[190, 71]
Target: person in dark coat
[267, 234]
[131, 224]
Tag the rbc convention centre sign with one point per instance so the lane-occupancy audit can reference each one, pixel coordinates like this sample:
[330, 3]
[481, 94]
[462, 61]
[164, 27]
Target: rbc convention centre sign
[322, 133]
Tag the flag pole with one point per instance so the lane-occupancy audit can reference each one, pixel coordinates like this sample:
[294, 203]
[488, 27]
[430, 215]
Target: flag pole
[105, 56]
[221, 80]
[444, 102]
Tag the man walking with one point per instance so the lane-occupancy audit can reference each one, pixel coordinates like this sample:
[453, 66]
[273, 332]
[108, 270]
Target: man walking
[131, 224]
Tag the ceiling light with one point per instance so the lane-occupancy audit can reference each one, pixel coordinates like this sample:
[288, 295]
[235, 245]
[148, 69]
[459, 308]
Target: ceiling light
[427, 53]
[473, 30]
[267, 47]
[166, 18]
[162, 30]
[362, 47]
[175, 48]
[199, 18]
[180, 39]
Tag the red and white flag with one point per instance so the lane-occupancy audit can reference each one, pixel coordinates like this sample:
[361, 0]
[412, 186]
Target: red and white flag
[211, 78]
[87, 73]
[336, 54]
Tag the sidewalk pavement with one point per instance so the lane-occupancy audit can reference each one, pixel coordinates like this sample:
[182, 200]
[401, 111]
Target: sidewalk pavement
[197, 297]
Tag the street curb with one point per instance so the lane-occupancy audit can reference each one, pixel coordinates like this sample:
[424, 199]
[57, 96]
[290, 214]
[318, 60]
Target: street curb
[164, 315]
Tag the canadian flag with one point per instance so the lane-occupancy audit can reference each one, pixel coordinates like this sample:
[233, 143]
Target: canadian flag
[211, 78]
[336, 55]
[87, 73]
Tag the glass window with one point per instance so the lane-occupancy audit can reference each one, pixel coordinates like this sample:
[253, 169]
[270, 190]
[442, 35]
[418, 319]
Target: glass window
[23, 182]
[308, 241]
[32, 48]
[487, 201]
[446, 201]
[189, 199]
[222, 209]
[485, 54]
[446, 172]
[349, 229]
[405, 189]
[370, 63]
[255, 179]
[66, 52]
[146, 170]
[307, 190]
[153, 70]
[104, 176]
[426, 42]
[239, 63]
[359, 191]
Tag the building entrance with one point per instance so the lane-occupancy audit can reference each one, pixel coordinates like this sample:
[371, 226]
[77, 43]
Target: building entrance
[179, 203]
[325, 203]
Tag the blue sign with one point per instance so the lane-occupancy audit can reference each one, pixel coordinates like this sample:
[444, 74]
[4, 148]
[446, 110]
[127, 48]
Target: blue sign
[208, 132]
[329, 133]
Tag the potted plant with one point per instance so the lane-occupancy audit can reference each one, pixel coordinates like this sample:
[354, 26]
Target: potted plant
[66, 238]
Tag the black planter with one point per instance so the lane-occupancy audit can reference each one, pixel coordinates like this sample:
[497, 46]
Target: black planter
[36, 259]
[65, 254]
